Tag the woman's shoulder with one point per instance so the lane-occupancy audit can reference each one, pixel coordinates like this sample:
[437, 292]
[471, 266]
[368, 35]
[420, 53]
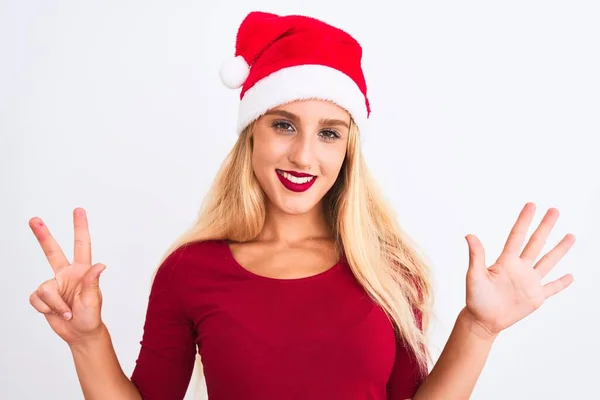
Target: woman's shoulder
[194, 254]
[190, 265]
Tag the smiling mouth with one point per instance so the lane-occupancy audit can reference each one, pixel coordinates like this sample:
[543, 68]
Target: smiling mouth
[295, 183]
[299, 180]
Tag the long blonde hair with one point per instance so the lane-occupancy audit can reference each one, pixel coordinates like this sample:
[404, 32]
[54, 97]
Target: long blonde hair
[381, 256]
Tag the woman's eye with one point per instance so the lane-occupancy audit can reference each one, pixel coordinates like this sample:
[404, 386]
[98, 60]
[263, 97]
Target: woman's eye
[283, 126]
[329, 135]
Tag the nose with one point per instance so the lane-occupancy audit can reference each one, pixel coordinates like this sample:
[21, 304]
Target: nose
[302, 152]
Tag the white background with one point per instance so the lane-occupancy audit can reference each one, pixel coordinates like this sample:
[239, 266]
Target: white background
[478, 107]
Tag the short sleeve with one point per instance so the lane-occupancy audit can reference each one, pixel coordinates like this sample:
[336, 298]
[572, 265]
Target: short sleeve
[406, 377]
[165, 362]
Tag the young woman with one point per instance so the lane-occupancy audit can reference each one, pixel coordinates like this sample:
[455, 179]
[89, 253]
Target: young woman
[296, 282]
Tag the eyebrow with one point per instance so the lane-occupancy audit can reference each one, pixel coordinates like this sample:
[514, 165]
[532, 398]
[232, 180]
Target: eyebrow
[295, 118]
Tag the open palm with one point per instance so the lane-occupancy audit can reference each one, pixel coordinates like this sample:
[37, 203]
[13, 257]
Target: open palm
[506, 292]
[71, 300]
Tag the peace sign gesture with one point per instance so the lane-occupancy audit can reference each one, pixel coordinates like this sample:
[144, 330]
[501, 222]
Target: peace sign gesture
[511, 289]
[71, 300]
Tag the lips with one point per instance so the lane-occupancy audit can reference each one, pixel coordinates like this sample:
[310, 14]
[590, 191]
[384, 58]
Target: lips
[297, 174]
[295, 181]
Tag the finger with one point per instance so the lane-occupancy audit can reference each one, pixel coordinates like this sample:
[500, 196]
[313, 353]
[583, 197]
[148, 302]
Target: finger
[91, 279]
[476, 254]
[83, 248]
[550, 259]
[90, 291]
[519, 230]
[48, 293]
[56, 257]
[557, 286]
[538, 238]
[39, 304]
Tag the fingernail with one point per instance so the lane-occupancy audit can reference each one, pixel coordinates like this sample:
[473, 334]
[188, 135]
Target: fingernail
[67, 315]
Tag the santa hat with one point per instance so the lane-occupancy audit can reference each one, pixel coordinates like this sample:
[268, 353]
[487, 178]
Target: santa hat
[279, 59]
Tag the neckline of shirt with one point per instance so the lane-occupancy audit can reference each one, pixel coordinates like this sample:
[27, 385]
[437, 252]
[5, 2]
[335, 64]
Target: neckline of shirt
[229, 256]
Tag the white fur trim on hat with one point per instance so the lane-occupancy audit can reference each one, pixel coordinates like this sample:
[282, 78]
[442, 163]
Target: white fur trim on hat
[302, 82]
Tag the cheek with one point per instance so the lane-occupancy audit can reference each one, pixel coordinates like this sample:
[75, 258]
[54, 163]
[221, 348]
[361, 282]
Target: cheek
[331, 161]
[265, 155]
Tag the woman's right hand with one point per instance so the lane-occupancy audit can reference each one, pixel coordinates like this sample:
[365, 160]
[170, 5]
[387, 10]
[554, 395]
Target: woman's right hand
[71, 300]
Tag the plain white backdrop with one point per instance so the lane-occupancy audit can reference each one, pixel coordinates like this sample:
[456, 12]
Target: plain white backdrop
[478, 107]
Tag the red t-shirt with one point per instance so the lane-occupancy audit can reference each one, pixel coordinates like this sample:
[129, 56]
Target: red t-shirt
[318, 337]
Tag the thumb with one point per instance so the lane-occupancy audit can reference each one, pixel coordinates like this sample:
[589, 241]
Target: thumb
[476, 254]
[91, 279]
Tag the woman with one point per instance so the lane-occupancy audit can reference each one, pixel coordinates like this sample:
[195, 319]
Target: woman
[295, 282]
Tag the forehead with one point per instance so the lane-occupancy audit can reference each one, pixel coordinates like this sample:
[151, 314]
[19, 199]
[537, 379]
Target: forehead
[315, 108]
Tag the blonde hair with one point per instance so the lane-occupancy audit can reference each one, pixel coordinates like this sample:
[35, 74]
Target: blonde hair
[381, 256]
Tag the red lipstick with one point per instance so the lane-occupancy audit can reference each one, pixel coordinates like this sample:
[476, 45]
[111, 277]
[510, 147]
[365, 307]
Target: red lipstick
[293, 186]
[297, 174]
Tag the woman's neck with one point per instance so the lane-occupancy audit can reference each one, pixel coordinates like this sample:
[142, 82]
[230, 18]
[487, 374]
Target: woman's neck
[288, 229]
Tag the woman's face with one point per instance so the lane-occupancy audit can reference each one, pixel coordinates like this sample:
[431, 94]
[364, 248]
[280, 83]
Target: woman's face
[298, 152]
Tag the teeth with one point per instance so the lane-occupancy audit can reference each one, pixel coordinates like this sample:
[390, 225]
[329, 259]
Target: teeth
[296, 179]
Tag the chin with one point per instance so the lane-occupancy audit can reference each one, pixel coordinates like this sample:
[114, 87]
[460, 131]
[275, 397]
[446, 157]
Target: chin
[295, 206]
[293, 203]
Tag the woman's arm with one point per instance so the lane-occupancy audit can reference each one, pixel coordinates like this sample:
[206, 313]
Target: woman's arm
[166, 359]
[497, 297]
[99, 371]
[461, 362]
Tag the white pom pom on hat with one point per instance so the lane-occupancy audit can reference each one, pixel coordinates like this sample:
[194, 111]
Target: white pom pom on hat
[234, 71]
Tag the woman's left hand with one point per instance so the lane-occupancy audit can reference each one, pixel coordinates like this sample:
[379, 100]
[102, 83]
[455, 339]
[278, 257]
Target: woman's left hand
[511, 289]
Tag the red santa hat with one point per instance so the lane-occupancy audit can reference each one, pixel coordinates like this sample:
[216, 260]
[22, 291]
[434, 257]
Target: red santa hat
[279, 59]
